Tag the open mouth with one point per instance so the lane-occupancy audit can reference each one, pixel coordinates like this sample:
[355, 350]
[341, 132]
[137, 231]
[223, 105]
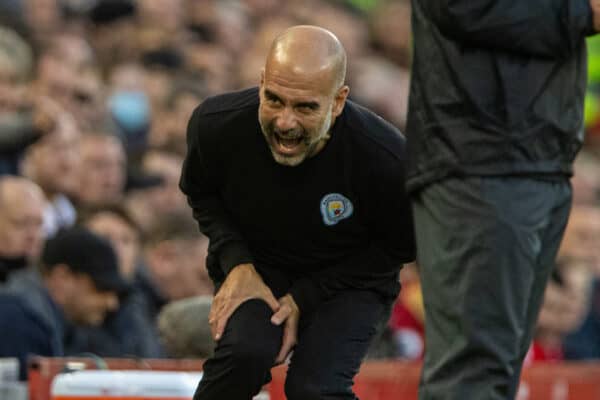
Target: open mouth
[288, 144]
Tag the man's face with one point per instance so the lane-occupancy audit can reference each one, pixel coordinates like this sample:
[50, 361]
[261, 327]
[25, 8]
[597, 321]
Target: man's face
[21, 219]
[178, 268]
[87, 305]
[295, 114]
[55, 158]
[122, 236]
[78, 91]
[166, 197]
[102, 171]
[580, 241]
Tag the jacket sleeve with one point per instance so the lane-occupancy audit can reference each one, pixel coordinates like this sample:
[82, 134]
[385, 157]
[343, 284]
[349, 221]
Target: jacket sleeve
[200, 185]
[539, 28]
[387, 212]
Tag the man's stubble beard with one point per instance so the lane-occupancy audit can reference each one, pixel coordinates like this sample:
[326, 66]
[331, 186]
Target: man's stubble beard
[293, 161]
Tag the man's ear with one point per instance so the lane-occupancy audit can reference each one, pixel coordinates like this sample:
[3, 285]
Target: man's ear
[340, 100]
[262, 77]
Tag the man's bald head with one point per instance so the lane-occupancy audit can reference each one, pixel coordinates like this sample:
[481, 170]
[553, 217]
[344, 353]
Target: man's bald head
[22, 205]
[14, 189]
[306, 50]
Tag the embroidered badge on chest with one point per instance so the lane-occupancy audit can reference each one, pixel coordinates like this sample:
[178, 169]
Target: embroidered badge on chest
[335, 207]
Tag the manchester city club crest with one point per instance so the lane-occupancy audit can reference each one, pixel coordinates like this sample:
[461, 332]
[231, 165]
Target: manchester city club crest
[335, 207]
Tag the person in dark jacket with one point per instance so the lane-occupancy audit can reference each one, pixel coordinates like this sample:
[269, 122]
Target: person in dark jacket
[79, 283]
[495, 121]
[130, 329]
[301, 194]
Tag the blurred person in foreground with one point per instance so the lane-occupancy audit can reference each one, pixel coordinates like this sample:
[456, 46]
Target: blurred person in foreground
[301, 193]
[495, 121]
[22, 204]
[78, 283]
[184, 329]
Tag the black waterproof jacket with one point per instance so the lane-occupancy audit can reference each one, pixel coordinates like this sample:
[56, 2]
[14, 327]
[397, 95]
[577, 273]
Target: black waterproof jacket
[497, 88]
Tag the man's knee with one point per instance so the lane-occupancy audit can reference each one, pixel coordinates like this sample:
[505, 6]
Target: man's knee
[248, 352]
[257, 345]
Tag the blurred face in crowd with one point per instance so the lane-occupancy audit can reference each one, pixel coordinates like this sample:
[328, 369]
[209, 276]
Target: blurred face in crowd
[166, 197]
[122, 236]
[53, 161]
[582, 236]
[72, 50]
[103, 170]
[299, 99]
[15, 69]
[79, 298]
[78, 90]
[43, 16]
[178, 269]
[21, 216]
[167, 14]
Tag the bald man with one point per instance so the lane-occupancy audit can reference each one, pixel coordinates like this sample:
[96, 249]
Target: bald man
[22, 205]
[301, 193]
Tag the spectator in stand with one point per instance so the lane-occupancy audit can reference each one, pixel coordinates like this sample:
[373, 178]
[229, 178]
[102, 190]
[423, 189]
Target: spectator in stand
[582, 240]
[128, 330]
[23, 119]
[103, 171]
[22, 204]
[567, 297]
[53, 163]
[147, 204]
[408, 315]
[79, 283]
[184, 328]
[175, 253]
[74, 85]
[390, 30]
[586, 179]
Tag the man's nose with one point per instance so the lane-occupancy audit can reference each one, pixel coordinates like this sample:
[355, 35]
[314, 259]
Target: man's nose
[286, 120]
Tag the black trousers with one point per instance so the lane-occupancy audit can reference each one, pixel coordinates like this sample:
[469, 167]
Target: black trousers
[332, 342]
[486, 248]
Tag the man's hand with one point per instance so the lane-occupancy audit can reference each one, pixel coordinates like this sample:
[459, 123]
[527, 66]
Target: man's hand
[595, 4]
[243, 283]
[290, 314]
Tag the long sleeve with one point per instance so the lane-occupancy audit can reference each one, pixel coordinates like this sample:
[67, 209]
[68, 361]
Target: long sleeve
[540, 28]
[375, 266]
[198, 182]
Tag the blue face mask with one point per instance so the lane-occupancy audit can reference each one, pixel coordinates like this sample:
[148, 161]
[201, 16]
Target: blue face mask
[130, 110]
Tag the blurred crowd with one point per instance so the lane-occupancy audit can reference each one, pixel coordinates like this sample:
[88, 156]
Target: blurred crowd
[95, 96]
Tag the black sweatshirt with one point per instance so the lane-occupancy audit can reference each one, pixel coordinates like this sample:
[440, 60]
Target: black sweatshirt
[339, 220]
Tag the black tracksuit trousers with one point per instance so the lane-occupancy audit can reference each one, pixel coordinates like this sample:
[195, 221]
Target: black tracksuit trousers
[332, 343]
